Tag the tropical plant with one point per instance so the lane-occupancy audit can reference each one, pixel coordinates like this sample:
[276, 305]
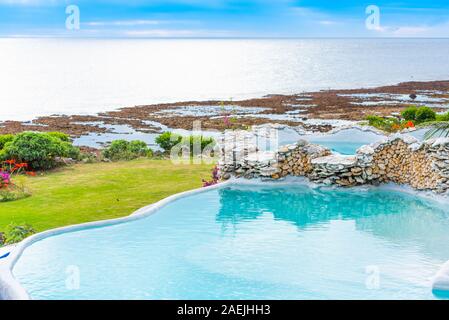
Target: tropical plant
[127, 150]
[437, 129]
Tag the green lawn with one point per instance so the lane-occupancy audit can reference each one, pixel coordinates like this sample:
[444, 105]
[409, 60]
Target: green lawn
[89, 192]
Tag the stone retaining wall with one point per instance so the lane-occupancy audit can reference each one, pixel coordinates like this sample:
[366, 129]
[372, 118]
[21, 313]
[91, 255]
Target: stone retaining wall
[399, 159]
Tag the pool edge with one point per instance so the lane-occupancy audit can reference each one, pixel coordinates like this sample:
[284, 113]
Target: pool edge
[10, 287]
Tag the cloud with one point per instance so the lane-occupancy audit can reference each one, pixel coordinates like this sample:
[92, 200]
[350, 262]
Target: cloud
[411, 31]
[430, 31]
[137, 23]
[172, 33]
[29, 2]
[123, 23]
[327, 22]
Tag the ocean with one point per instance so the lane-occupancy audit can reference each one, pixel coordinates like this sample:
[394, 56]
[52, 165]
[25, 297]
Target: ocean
[86, 76]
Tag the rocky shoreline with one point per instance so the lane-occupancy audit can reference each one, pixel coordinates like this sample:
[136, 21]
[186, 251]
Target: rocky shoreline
[313, 111]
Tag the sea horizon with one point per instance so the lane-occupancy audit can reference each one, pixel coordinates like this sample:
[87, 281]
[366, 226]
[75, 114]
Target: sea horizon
[63, 76]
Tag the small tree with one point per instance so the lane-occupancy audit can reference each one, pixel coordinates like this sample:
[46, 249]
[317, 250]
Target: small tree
[425, 114]
[409, 114]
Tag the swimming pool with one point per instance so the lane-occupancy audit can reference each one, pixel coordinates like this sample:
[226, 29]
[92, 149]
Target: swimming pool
[274, 241]
[345, 141]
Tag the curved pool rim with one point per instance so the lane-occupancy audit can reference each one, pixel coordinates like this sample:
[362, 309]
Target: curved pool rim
[12, 289]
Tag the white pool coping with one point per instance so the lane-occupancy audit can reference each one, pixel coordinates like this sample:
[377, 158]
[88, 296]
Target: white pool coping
[11, 289]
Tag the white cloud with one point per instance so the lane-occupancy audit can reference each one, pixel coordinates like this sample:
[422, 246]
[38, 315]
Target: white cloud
[327, 22]
[30, 2]
[123, 23]
[439, 30]
[175, 33]
[411, 31]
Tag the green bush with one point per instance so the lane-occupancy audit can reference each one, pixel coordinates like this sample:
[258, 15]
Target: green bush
[409, 114]
[13, 194]
[5, 138]
[425, 114]
[60, 135]
[127, 150]
[168, 140]
[203, 141]
[39, 150]
[16, 233]
[389, 124]
[443, 117]
[375, 120]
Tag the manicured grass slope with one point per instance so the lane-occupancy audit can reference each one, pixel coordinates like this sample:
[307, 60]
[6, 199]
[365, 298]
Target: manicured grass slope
[89, 192]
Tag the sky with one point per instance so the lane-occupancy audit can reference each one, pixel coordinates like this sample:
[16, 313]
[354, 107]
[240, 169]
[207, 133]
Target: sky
[224, 18]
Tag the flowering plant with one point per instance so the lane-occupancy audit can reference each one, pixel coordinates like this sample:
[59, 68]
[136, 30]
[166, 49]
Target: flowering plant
[13, 167]
[9, 168]
[5, 179]
[409, 124]
[214, 179]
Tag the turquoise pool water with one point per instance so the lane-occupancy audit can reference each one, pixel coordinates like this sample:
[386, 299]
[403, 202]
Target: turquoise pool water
[345, 142]
[251, 242]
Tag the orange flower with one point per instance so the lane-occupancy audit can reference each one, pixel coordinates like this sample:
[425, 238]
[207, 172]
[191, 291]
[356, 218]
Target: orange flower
[12, 161]
[410, 124]
[31, 173]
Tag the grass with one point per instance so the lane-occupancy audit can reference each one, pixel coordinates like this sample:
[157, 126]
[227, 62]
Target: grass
[89, 192]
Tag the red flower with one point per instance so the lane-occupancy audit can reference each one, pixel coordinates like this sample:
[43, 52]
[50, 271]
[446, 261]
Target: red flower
[12, 161]
[31, 173]
[410, 124]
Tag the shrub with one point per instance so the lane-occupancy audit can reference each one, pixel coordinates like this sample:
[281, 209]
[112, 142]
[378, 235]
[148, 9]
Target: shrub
[375, 120]
[39, 150]
[386, 124]
[443, 117]
[409, 114]
[168, 140]
[127, 150]
[425, 114]
[5, 138]
[60, 135]
[16, 233]
[13, 193]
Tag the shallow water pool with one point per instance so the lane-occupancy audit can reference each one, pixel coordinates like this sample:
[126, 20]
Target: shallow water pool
[345, 142]
[251, 242]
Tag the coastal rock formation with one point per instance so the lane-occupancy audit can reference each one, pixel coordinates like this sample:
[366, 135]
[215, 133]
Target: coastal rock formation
[398, 159]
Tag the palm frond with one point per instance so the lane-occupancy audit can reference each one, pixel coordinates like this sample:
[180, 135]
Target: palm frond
[437, 129]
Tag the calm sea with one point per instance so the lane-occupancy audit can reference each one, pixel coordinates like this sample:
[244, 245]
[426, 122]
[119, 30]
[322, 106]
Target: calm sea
[74, 76]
